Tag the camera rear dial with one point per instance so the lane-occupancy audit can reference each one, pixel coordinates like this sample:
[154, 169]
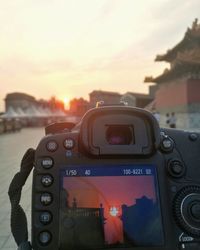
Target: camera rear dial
[187, 210]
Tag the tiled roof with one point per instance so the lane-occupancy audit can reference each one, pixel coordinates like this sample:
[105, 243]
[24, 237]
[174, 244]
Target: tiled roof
[190, 41]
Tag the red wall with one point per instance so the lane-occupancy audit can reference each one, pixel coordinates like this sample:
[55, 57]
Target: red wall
[171, 94]
[193, 91]
[178, 93]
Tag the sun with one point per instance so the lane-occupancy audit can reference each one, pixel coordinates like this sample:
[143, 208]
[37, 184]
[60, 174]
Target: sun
[66, 101]
[114, 211]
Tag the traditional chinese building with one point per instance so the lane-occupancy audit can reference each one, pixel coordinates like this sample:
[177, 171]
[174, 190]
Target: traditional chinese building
[32, 112]
[131, 98]
[142, 222]
[179, 86]
[82, 226]
[19, 100]
[137, 99]
[23, 101]
[106, 96]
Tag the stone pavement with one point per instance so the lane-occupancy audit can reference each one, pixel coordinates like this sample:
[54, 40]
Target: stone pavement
[12, 148]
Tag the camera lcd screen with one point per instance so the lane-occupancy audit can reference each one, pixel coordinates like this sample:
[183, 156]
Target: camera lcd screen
[106, 207]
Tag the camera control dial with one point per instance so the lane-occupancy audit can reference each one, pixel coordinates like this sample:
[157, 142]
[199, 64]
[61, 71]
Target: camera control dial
[187, 210]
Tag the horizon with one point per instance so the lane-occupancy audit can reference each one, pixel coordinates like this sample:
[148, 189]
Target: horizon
[67, 49]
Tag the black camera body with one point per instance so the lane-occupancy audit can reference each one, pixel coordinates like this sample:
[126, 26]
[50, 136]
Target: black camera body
[116, 181]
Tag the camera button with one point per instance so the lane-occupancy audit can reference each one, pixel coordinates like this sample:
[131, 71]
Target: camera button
[46, 199]
[69, 143]
[167, 144]
[47, 162]
[47, 180]
[193, 136]
[44, 238]
[45, 218]
[69, 153]
[52, 146]
[176, 168]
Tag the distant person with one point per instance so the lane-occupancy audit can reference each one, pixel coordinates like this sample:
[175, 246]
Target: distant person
[172, 121]
[167, 120]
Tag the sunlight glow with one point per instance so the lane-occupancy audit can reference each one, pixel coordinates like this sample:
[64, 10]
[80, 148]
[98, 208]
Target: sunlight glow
[114, 211]
[66, 101]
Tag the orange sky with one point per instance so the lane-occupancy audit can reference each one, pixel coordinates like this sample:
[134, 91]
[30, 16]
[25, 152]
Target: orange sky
[68, 48]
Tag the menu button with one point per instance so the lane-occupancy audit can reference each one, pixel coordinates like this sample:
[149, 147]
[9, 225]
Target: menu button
[47, 163]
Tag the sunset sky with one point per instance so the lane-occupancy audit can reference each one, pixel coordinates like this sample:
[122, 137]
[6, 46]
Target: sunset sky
[68, 48]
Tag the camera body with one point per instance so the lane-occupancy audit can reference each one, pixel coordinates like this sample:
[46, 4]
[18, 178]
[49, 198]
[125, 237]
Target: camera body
[116, 181]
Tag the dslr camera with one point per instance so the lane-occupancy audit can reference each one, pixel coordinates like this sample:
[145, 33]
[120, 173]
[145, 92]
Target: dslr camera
[116, 181]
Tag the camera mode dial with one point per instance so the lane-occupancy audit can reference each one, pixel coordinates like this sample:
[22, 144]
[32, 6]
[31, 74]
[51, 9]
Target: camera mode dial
[187, 210]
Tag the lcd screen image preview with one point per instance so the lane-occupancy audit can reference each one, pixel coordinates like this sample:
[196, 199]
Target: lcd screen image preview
[120, 209]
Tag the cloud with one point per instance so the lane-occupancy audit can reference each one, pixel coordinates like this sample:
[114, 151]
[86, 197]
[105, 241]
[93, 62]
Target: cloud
[16, 66]
[176, 10]
[171, 19]
[107, 9]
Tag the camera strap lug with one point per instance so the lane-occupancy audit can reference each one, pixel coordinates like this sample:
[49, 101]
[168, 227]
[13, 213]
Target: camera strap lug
[18, 216]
